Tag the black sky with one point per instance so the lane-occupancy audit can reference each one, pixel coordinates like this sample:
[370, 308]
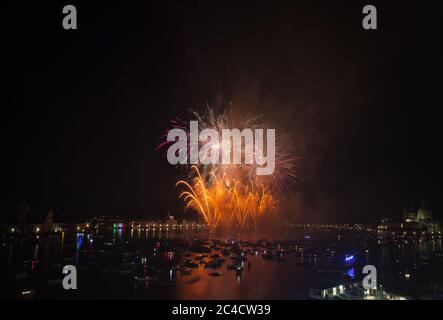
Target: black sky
[83, 110]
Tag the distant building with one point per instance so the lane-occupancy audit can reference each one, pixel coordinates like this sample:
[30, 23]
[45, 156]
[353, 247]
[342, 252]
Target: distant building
[23, 221]
[421, 220]
[170, 220]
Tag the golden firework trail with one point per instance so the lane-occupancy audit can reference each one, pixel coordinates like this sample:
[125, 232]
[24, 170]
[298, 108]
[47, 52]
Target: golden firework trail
[234, 193]
[219, 201]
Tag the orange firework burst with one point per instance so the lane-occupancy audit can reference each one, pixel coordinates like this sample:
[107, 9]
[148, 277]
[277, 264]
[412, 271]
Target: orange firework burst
[233, 193]
[219, 201]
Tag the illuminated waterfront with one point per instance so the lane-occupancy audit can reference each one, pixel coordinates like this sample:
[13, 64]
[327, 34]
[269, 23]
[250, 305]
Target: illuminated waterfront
[147, 264]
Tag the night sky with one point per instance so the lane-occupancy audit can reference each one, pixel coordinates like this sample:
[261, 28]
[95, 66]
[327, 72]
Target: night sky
[83, 110]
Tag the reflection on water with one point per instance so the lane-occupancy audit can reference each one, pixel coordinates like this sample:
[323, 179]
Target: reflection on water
[134, 263]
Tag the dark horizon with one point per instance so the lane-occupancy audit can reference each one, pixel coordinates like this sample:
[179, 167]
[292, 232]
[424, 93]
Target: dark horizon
[85, 109]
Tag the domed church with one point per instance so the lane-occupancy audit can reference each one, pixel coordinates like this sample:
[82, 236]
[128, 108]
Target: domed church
[423, 216]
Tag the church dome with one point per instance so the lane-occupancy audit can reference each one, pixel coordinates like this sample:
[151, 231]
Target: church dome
[424, 215]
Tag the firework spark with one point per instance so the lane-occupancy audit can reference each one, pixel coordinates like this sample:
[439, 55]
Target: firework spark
[233, 193]
[220, 202]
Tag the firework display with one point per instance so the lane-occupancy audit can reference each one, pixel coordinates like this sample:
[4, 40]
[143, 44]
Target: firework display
[232, 193]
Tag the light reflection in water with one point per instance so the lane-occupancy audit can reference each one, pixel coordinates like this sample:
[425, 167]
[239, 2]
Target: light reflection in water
[79, 241]
[264, 279]
[62, 243]
[35, 255]
[351, 272]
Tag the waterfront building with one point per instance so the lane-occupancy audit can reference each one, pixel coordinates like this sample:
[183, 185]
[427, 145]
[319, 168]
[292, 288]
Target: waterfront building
[422, 219]
[351, 290]
[417, 221]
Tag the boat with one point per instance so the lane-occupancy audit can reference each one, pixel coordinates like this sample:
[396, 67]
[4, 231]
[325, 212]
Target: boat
[349, 259]
[190, 264]
[212, 265]
[27, 294]
[234, 267]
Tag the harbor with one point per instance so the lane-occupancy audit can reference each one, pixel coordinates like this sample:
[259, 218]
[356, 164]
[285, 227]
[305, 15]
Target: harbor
[136, 262]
